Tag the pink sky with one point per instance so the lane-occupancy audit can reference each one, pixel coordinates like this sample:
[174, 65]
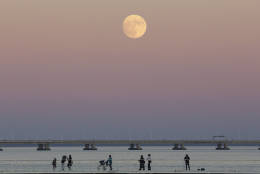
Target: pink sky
[66, 64]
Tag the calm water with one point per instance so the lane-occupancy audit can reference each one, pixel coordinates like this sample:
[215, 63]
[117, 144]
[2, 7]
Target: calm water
[27, 159]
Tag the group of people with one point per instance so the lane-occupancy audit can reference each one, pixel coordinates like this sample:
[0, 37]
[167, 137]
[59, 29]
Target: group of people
[63, 161]
[149, 161]
[142, 162]
[104, 163]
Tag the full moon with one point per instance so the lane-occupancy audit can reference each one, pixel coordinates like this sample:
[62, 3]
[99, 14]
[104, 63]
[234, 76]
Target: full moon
[134, 26]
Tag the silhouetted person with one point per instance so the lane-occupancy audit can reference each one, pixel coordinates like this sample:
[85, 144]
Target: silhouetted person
[70, 162]
[63, 160]
[187, 161]
[142, 162]
[149, 160]
[109, 162]
[54, 163]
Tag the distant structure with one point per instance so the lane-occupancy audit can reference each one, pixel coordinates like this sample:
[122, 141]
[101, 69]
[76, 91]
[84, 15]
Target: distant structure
[221, 141]
[44, 147]
[222, 144]
[179, 147]
[135, 147]
[90, 147]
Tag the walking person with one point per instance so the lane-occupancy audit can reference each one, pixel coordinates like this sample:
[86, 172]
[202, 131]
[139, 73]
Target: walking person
[187, 162]
[63, 160]
[142, 162]
[54, 163]
[109, 162]
[149, 160]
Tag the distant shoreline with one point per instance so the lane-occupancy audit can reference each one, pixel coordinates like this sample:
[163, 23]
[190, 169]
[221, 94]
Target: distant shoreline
[130, 172]
[120, 145]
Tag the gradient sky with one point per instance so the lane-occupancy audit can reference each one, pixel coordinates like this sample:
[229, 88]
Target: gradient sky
[68, 71]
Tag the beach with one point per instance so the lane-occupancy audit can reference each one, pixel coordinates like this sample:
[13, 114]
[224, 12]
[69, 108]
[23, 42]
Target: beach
[164, 160]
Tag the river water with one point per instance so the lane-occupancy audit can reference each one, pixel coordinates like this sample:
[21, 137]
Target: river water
[27, 159]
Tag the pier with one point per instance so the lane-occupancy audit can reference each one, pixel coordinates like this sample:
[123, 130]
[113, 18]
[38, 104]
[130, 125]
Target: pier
[44, 145]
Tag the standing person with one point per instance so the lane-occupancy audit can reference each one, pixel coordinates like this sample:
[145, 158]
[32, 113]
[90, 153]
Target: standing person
[63, 160]
[54, 163]
[142, 162]
[149, 160]
[187, 162]
[70, 162]
[109, 161]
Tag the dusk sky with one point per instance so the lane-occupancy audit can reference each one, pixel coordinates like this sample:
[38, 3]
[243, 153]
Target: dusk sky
[68, 71]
